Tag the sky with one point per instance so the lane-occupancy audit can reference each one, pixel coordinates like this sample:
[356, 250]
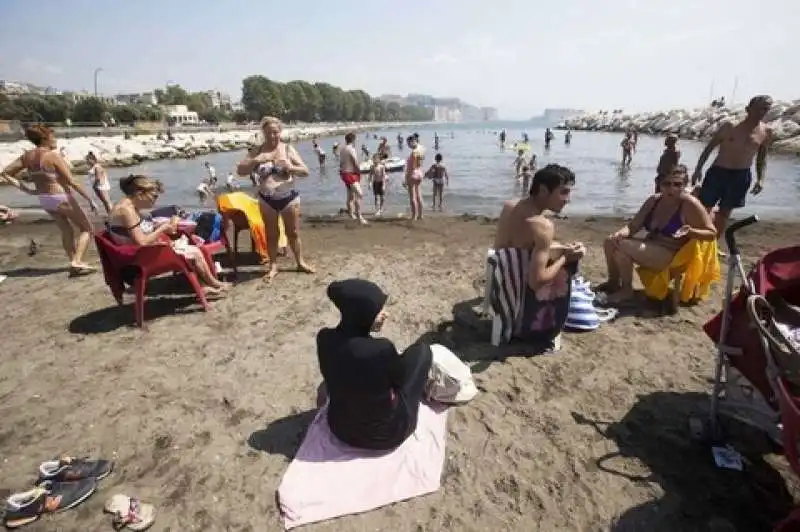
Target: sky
[520, 56]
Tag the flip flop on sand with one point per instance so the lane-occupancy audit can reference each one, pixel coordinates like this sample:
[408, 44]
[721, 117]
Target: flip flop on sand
[130, 512]
[81, 270]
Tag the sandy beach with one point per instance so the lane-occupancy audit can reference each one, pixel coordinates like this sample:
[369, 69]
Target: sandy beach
[203, 412]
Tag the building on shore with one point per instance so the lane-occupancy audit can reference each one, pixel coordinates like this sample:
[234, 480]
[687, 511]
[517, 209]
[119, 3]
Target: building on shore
[559, 115]
[489, 114]
[133, 98]
[180, 115]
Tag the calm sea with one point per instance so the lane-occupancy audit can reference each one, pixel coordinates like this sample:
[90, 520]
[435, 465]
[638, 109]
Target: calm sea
[482, 175]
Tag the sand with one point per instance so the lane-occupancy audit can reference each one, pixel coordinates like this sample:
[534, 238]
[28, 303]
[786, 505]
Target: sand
[203, 412]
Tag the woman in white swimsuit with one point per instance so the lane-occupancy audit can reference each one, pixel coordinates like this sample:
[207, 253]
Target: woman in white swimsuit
[414, 177]
[54, 186]
[277, 164]
[98, 180]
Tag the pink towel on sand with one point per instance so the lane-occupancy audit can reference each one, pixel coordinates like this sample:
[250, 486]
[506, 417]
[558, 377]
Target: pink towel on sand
[328, 478]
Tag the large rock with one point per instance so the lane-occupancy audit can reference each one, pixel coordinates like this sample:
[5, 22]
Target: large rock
[784, 118]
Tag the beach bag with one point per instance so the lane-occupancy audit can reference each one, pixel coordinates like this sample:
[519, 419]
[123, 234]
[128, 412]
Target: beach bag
[582, 314]
[209, 226]
[450, 380]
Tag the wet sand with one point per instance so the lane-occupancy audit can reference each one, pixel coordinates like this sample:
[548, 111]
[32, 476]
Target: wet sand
[203, 412]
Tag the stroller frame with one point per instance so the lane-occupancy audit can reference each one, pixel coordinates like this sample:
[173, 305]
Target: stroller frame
[755, 411]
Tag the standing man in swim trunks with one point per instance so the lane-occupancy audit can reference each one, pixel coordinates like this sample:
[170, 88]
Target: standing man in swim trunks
[350, 173]
[627, 149]
[727, 181]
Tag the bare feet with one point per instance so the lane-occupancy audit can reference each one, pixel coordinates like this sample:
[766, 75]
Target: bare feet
[303, 267]
[271, 273]
[218, 290]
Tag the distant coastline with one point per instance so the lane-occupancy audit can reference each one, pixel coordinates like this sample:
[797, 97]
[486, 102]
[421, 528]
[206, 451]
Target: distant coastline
[696, 124]
[116, 151]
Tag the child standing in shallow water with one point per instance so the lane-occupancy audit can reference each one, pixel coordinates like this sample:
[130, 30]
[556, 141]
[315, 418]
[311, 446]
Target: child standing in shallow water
[438, 173]
[377, 177]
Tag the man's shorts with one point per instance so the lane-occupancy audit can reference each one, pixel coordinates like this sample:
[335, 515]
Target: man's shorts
[726, 187]
[350, 178]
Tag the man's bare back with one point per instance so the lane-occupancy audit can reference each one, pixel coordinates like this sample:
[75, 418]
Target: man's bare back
[739, 144]
[348, 160]
[518, 224]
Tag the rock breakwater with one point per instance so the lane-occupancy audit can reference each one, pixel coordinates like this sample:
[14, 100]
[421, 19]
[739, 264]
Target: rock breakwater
[695, 124]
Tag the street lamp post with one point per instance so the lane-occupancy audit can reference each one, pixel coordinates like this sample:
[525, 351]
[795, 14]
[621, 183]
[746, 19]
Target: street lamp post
[96, 72]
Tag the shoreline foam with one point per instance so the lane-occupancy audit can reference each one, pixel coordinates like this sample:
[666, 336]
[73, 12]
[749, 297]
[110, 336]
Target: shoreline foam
[694, 124]
[118, 152]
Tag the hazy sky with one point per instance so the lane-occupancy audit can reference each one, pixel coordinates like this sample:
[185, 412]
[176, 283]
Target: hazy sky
[518, 55]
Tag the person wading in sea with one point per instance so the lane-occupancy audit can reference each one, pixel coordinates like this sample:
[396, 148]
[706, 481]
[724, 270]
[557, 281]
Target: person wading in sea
[727, 181]
[350, 173]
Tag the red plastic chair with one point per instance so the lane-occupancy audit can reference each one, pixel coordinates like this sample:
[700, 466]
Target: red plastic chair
[790, 418]
[150, 261]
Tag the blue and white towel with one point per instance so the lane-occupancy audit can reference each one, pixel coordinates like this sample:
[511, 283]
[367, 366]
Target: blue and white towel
[583, 315]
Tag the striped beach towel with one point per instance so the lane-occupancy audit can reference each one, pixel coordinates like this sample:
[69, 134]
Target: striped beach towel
[509, 273]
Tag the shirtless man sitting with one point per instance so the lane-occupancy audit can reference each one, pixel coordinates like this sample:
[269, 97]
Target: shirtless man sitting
[727, 181]
[523, 224]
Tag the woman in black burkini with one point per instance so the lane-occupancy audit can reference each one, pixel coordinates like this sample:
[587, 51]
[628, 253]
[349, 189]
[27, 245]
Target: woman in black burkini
[373, 392]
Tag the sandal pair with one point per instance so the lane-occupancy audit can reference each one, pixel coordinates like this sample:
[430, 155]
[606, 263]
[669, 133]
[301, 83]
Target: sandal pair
[129, 512]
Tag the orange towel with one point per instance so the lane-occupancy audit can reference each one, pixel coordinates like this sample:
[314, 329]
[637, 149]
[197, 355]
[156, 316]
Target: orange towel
[239, 201]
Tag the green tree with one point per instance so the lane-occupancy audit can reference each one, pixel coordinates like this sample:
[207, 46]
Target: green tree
[89, 110]
[261, 97]
[199, 102]
[313, 108]
[127, 114]
[172, 95]
[294, 100]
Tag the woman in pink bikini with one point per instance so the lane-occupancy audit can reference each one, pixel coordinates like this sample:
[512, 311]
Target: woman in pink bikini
[54, 186]
[414, 177]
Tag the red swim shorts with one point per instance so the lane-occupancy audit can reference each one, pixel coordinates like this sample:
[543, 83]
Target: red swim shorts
[350, 178]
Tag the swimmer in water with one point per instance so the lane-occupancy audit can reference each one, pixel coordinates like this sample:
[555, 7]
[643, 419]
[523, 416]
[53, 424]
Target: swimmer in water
[335, 150]
[548, 138]
[519, 162]
[320, 153]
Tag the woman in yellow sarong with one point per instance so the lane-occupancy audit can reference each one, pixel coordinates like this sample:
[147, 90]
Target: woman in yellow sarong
[672, 218]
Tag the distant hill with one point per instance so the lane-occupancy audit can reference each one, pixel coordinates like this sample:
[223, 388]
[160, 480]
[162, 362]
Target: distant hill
[554, 116]
[445, 109]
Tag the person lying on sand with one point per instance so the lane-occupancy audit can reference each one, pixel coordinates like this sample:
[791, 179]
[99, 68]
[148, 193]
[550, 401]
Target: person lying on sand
[127, 226]
[671, 218]
[523, 225]
[373, 392]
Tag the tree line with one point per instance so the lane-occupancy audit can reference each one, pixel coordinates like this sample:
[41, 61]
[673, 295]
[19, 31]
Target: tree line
[302, 101]
[295, 101]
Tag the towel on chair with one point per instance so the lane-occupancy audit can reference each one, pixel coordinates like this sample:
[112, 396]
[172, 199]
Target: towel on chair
[508, 279]
[699, 262]
[239, 201]
[328, 478]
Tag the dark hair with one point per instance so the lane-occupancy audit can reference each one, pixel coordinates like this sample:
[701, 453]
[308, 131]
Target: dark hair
[91, 156]
[139, 183]
[411, 137]
[384, 156]
[551, 177]
[350, 137]
[675, 168]
[38, 133]
[438, 158]
[416, 136]
[525, 168]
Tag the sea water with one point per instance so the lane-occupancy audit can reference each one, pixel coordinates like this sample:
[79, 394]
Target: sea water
[481, 173]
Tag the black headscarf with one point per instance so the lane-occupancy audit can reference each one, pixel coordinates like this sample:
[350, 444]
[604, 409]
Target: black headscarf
[359, 301]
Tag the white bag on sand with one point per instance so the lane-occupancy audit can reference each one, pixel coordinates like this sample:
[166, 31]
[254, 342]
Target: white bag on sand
[450, 380]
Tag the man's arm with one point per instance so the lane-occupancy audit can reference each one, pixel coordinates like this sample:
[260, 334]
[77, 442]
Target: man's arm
[540, 273]
[761, 161]
[715, 141]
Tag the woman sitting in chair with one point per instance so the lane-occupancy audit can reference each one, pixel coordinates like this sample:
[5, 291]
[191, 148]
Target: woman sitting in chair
[374, 393]
[126, 225]
[671, 217]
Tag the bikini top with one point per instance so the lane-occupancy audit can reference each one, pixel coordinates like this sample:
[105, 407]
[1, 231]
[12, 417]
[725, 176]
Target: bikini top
[674, 223]
[122, 234]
